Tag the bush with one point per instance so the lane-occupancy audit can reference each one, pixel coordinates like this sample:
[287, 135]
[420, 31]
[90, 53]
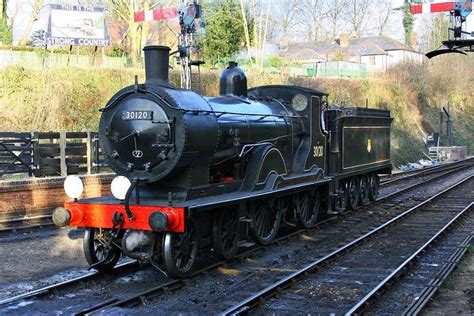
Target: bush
[275, 62]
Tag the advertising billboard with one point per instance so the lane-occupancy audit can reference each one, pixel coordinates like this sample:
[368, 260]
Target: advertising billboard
[77, 25]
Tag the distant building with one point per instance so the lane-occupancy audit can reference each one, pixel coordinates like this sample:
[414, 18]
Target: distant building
[376, 52]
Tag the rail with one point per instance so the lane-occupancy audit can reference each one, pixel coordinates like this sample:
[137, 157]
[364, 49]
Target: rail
[246, 305]
[360, 306]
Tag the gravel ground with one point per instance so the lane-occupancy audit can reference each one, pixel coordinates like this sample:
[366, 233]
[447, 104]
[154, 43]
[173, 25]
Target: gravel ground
[32, 260]
[456, 296]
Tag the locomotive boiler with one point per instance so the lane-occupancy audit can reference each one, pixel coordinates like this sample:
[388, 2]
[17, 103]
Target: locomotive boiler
[218, 172]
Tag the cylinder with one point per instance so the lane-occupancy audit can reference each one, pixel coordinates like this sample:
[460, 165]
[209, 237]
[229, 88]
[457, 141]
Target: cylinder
[157, 64]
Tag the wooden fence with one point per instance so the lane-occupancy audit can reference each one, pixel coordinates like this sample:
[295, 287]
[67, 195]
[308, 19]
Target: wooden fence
[51, 153]
[16, 153]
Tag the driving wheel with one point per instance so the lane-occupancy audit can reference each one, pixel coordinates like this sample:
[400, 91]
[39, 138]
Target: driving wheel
[225, 233]
[307, 207]
[267, 218]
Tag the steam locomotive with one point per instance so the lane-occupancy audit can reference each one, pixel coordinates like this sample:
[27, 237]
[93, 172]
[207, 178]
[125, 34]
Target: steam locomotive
[221, 172]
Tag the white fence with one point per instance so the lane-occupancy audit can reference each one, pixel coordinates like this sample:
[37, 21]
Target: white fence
[331, 69]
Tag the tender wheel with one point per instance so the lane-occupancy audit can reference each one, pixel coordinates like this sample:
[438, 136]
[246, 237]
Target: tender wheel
[352, 193]
[225, 233]
[267, 218]
[364, 190]
[100, 249]
[307, 207]
[180, 252]
[374, 183]
[341, 202]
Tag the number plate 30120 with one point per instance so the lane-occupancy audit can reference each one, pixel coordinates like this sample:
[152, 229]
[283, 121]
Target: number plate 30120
[137, 115]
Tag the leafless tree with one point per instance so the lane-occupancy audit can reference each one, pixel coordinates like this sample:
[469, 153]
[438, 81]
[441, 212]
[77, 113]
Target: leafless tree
[359, 12]
[312, 15]
[286, 16]
[246, 26]
[36, 8]
[335, 11]
[137, 33]
[260, 14]
[4, 9]
[385, 11]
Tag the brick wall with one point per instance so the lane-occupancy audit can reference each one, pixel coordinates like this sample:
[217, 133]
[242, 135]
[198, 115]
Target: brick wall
[34, 196]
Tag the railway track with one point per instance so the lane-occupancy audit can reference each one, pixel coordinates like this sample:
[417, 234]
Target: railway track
[414, 173]
[130, 266]
[350, 271]
[167, 286]
[394, 188]
[425, 172]
[24, 224]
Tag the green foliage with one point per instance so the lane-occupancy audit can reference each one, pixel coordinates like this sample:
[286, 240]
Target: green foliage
[408, 21]
[116, 52]
[275, 62]
[439, 31]
[6, 35]
[339, 55]
[224, 31]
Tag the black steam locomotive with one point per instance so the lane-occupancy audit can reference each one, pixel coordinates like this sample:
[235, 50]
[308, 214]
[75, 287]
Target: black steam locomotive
[221, 171]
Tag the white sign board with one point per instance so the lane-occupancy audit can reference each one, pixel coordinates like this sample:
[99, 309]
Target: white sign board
[77, 25]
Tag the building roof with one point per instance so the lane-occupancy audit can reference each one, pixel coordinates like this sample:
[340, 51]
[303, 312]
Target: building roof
[321, 48]
[365, 46]
[365, 50]
[305, 54]
[384, 42]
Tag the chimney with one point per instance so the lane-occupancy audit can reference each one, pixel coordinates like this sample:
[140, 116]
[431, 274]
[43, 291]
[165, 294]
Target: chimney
[343, 40]
[284, 44]
[156, 64]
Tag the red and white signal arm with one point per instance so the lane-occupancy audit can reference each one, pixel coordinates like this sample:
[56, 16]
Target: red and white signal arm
[155, 14]
[442, 6]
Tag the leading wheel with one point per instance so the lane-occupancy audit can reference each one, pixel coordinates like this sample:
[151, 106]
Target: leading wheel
[267, 218]
[373, 186]
[307, 207]
[180, 252]
[225, 233]
[363, 190]
[100, 248]
[352, 193]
